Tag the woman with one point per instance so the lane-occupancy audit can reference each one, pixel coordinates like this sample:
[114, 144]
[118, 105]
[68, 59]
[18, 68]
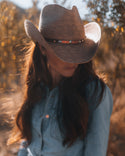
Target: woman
[66, 108]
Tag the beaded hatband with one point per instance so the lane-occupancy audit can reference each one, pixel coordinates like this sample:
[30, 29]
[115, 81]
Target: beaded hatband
[65, 41]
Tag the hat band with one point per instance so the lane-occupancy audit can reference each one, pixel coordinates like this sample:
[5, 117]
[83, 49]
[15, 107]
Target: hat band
[65, 41]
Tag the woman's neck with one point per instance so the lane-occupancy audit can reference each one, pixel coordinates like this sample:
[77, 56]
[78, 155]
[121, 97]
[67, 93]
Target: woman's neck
[56, 77]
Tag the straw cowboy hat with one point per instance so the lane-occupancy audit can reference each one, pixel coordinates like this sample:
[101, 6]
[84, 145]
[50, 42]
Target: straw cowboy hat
[62, 32]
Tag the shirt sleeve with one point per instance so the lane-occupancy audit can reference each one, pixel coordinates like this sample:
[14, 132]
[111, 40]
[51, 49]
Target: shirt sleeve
[23, 149]
[96, 140]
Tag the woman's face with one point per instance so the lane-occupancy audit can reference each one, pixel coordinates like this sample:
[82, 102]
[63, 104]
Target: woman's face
[60, 67]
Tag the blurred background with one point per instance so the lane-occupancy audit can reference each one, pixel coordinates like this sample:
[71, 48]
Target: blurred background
[109, 61]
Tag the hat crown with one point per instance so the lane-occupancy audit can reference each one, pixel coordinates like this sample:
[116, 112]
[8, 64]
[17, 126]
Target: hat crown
[62, 24]
[59, 23]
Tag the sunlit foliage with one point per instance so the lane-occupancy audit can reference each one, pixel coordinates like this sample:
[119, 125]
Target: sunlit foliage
[12, 40]
[110, 14]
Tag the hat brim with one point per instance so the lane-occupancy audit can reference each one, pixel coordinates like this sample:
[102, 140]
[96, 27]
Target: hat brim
[75, 53]
[72, 53]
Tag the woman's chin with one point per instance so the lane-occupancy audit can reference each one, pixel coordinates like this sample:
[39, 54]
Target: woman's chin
[68, 74]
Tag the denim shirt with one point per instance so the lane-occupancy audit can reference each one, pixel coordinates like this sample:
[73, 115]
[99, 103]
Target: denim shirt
[47, 138]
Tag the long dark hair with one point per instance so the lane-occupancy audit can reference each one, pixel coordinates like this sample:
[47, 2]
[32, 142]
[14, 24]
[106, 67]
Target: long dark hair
[72, 91]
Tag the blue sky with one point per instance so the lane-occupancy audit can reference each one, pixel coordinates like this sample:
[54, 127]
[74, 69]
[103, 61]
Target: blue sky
[79, 3]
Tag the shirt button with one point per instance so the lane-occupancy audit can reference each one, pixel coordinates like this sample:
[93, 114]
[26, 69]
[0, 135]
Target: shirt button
[47, 116]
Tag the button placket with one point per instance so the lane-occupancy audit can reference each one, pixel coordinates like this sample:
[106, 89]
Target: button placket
[42, 116]
[49, 112]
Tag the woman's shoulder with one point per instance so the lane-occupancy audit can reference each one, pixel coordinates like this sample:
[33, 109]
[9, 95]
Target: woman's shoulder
[107, 99]
[96, 92]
